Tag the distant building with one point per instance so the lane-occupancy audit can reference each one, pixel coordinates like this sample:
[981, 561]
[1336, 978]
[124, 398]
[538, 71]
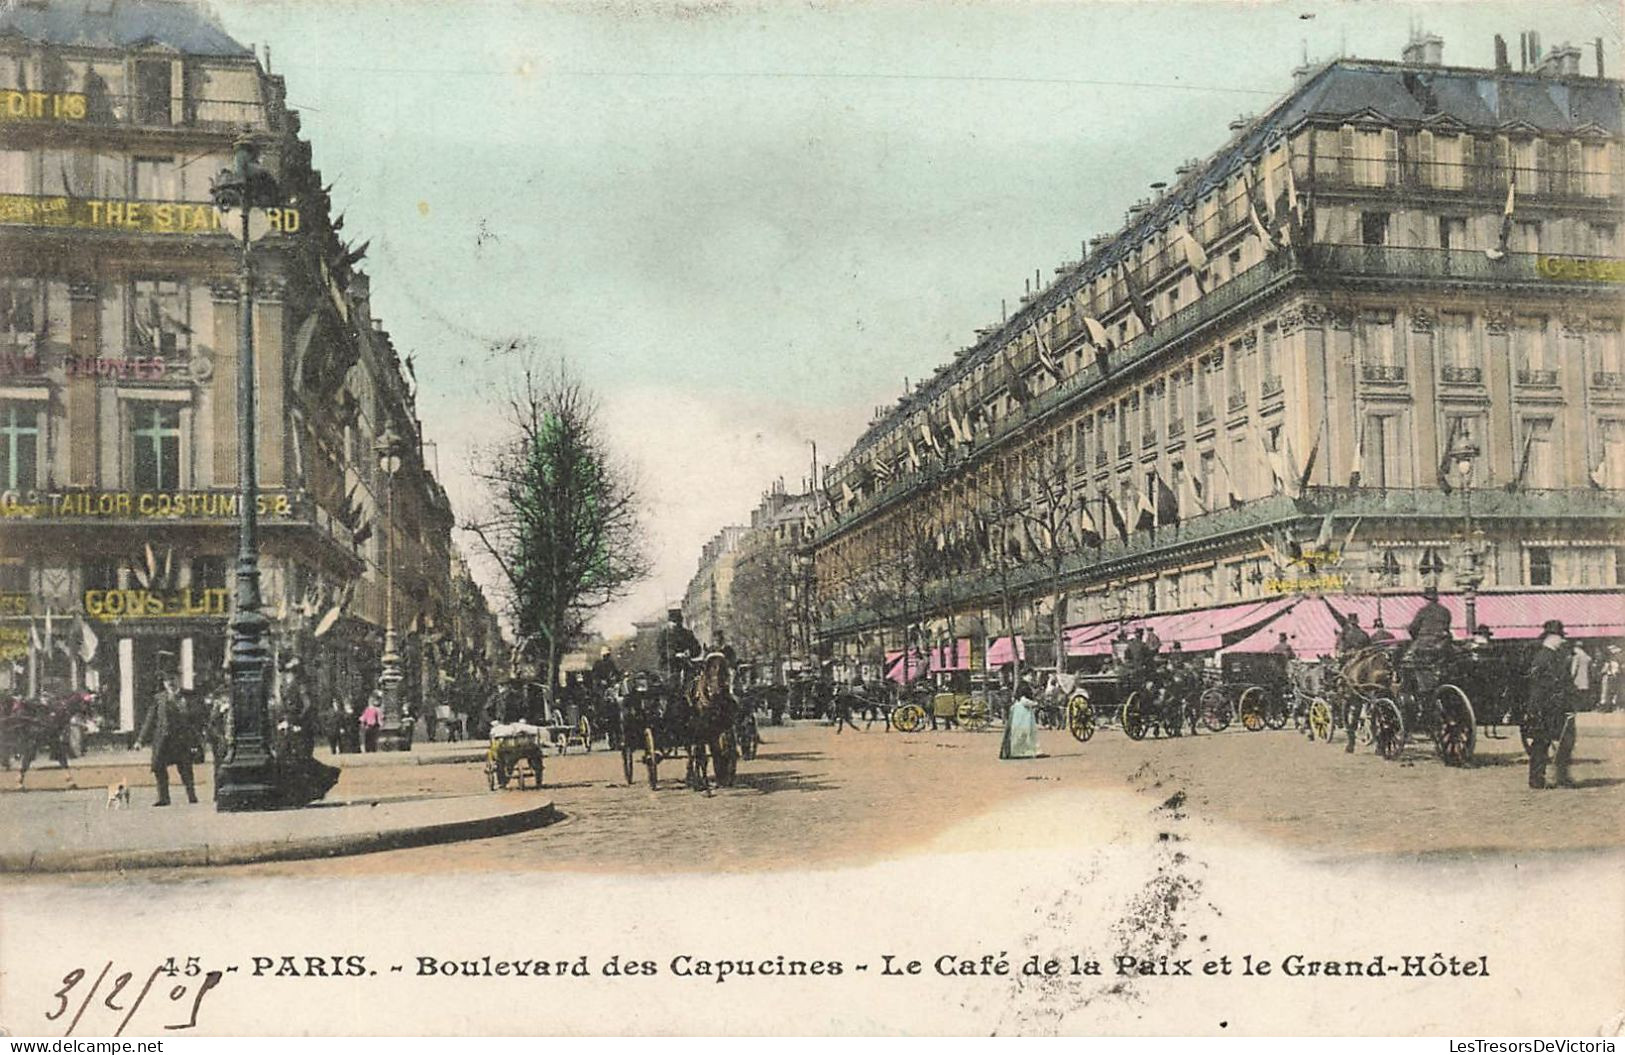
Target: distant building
[707, 602]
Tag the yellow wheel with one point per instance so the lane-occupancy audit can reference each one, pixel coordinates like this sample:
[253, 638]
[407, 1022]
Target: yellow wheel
[973, 715]
[1080, 718]
[1320, 720]
[1251, 706]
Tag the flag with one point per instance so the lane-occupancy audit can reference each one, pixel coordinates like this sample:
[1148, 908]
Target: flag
[1602, 475]
[1348, 539]
[1116, 514]
[1195, 255]
[361, 534]
[1297, 214]
[1523, 461]
[1265, 235]
[1095, 334]
[1291, 479]
[1309, 466]
[1088, 530]
[1045, 357]
[928, 437]
[1232, 497]
[1013, 383]
[1193, 498]
[914, 456]
[847, 496]
[1167, 503]
[1323, 541]
[1142, 310]
[1274, 459]
[1444, 459]
[1505, 239]
[1145, 515]
[87, 638]
[956, 432]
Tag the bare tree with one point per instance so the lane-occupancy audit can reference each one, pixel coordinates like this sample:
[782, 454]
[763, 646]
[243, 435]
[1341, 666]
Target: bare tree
[561, 514]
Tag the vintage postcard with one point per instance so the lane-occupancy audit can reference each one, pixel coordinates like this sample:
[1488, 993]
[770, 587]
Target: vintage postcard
[764, 518]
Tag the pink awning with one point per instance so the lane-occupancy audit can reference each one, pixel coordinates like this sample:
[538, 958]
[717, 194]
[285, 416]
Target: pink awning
[904, 672]
[1001, 651]
[1312, 630]
[1309, 626]
[951, 657]
[1520, 615]
[1199, 630]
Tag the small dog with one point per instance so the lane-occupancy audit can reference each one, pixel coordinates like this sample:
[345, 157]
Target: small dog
[118, 796]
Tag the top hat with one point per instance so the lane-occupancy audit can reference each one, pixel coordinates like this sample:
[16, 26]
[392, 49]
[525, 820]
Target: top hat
[1553, 626]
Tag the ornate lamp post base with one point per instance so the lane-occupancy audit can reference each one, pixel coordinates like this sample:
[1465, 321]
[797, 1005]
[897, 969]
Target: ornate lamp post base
[247, 782]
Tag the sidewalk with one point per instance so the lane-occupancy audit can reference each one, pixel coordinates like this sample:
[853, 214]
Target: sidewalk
[75, 831]
[422, 754]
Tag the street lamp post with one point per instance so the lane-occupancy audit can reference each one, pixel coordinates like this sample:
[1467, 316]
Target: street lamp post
[391, 734]
[247, 778]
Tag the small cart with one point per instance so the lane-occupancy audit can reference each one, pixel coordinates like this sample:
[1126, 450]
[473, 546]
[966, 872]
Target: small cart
[515, 747]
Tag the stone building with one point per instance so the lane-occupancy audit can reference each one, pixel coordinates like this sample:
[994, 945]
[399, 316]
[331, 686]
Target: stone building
[119, 312]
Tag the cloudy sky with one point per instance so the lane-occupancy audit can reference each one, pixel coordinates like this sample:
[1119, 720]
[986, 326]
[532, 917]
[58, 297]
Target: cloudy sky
[745, 224]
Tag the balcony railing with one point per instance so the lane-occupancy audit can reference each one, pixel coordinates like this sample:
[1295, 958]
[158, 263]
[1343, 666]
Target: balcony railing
[1344, 172]
[1538, 378]
[1382, 372]
[102, 109]
[1272, 386]
[1462, 375]
[1607, 379]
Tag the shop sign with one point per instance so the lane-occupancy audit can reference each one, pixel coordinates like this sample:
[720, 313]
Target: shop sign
[1306, 584]
[184, 603]
[14, 603]
[1583, 269]
[137, 368]
[18, 105]
[13, 642]
[148, 217]
[135, 505]
[20, 364]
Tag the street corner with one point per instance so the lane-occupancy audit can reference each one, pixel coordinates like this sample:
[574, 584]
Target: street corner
[81, 831]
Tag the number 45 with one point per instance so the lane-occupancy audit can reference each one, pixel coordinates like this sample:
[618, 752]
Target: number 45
[191, 969]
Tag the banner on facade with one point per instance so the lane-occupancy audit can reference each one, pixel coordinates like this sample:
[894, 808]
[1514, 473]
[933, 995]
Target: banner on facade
[145, 217]
[184, 603]
[135, 505]
[18, 105]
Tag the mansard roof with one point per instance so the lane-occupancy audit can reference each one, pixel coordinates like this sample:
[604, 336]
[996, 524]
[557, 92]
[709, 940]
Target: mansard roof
[119, 25]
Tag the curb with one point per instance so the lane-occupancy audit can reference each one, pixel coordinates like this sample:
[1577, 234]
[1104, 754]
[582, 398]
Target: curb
[282, 849]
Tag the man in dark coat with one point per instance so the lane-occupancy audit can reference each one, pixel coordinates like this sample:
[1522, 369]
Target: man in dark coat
[1549, 710]
[168, 728]
[1351, 637]
[677, 642]
[1430, 627]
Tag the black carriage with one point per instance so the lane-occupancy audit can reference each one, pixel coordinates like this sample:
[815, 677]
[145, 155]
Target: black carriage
[1160, 700]
[653, 720]
[1395, 696]
[1255, 688]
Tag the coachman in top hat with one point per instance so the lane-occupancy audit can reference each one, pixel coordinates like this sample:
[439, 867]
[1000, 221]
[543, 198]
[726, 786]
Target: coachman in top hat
[1549, 712]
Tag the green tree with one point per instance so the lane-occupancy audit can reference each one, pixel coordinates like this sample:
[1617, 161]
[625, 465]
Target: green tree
[561, 518]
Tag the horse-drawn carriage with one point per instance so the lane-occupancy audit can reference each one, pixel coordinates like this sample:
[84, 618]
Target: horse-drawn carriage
[964, 710]
[697, 717]
[30, 726]
[1397, 697]
[515, 753]
[1160, 699]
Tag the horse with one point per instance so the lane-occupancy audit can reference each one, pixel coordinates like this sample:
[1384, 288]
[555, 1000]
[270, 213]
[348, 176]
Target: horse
[32, 725]
[711, 724]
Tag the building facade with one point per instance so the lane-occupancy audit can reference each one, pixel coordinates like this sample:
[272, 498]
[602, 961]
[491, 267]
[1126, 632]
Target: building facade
[1372, 341]
[708, 598]
[119, 321]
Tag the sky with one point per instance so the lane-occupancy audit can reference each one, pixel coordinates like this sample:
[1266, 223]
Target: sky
[744, 225]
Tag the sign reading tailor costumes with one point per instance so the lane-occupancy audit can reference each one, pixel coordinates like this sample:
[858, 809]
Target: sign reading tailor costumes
[136, 505]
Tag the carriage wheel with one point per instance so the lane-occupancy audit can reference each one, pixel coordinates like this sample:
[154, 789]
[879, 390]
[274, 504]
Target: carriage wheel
[1080, 718]
[1275, 712]
[650, 758]
[1457, 734]
[1133, 716]
[973, 716]
[909, 718]
[1387, 728]
[1215, 706]
[1320, 720]
[584, 727]
[1251, 706]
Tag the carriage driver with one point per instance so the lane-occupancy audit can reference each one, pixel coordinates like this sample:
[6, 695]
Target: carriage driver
[678, 646]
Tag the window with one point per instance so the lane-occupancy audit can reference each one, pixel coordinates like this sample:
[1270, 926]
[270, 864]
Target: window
[158, 317]
[1373, 456]
[14, 172]
[1538, 461]
[1540, 566]
[1373, 228]
[1205, 480]
[1526, 236]
[1378, 360]
[155, 179]
[1531, 351]
[19, 307]
[19, 447]
[153, 91]
[1238, 376]
[1609, 472]
[1270, 360]
[155, 432]
[1603, 238]
[1605, 351]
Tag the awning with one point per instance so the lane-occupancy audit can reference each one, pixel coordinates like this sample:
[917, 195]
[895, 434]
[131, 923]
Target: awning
[1200, 630]
[1520, 615]
[1001, 651]
[1079, 638]
[951, 657]
[905, 672]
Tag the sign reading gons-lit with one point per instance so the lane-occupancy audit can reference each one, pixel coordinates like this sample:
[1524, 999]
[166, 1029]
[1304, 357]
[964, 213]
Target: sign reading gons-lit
[184, 603]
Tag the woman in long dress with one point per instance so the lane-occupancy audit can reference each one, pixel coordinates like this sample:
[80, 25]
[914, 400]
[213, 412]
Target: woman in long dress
[1021, 729]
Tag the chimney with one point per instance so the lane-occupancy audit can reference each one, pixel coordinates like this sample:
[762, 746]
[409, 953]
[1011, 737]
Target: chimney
[1300, 76]
[1502, 63]
[1424, 50]
[1561, 61]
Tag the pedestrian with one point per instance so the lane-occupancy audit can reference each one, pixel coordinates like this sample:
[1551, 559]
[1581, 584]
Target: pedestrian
[1580, 671]
[1549, 707]
[333, 726]
[1021, 728]
[1608, 697]
[169, 730]
[843, 710]
[372, 717]
[1351, 636]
